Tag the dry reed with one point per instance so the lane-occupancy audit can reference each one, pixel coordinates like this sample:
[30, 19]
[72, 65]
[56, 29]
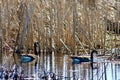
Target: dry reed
[53, 20]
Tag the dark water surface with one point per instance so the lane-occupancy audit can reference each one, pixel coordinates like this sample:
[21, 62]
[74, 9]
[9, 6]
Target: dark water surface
[62, 66]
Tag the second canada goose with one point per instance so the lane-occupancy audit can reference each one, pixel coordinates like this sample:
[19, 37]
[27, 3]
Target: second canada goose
[77, 59]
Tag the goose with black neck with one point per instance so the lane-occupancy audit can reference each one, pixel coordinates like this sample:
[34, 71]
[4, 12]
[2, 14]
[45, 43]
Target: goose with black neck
[25, 58]
[80, 59]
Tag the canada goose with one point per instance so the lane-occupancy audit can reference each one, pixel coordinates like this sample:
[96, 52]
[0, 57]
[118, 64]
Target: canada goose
[25, 58]
[77, 59]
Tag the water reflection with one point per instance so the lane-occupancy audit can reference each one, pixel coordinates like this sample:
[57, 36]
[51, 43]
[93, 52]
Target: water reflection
[62, 66]
[65, 70]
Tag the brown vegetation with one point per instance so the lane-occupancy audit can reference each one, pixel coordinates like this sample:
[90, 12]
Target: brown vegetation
[72, 25]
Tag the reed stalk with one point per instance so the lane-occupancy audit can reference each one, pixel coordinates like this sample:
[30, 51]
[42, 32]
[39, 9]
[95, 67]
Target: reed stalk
[51, 20]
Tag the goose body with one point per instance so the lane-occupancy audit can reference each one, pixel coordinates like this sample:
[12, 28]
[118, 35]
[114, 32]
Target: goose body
[80, 59]
[26, 58]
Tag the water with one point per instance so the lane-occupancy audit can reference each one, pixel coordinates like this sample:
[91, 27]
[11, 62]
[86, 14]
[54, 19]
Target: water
[62, 66]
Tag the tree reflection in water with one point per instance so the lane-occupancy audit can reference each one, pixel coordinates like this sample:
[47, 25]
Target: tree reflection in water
[60, 66]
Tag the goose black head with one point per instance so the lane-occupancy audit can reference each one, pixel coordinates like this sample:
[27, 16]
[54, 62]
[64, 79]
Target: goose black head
[36, 44]
[17, 51]
[94, 51]
[36, 48]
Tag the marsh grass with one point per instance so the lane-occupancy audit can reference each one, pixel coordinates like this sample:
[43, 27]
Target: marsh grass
[51, 20]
